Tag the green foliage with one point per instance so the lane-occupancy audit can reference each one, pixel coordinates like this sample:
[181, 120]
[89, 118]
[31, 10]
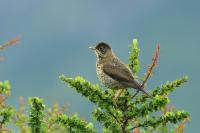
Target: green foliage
[169, 117]
[5, 88]
[36, 115]
[113, 116]
[20, 118]
[122, 115]
[93, 92]
[6, 112]
[75, 125]
[133, 57]
[165, 89]
[51, 119]
[170, 86]
[129, 112]
[109, 122]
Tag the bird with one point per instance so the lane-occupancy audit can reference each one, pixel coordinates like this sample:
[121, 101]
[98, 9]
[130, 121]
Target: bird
[112, 72]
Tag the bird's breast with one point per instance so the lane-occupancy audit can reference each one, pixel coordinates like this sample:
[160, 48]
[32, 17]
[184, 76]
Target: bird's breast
[106, 79]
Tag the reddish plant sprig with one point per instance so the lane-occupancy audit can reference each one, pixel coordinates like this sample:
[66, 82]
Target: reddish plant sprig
[9, 43]
[181, 126]
[153, 65]
[136, 130]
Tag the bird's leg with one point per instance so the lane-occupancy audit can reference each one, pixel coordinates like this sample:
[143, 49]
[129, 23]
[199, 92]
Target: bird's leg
[118, 93]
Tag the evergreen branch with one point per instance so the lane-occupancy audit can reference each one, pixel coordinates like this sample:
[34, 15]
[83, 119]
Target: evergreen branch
[134, 64]
[169, 117]
[10, 43]
[5, 88]
[181, 126]
[51, 118]
[5, 114]
[95, 94]
[107, 120]
[157, 103]
[4, 91]
[36, 115]
[170, 86]
[124, 101]
[164, 89]
[75, 124]
[154, 105]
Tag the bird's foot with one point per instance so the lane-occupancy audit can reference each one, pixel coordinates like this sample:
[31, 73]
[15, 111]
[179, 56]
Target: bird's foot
[118, 94]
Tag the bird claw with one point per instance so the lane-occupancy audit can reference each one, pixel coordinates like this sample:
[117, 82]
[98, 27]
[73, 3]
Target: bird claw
[118, 94]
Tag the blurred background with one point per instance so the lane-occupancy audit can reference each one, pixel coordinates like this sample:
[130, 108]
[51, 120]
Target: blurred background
[55, 36]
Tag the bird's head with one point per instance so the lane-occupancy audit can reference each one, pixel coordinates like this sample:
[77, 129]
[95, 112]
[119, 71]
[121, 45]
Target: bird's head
[102, 50]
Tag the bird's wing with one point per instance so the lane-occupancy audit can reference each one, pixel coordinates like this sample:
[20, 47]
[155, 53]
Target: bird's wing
[121, 73]
[118, 71]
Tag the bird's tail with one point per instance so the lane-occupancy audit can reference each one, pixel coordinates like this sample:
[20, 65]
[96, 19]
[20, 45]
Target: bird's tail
[145, 92]
[136, 85]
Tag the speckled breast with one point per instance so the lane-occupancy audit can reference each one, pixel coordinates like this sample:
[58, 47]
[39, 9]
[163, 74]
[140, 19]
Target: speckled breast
[105, 79]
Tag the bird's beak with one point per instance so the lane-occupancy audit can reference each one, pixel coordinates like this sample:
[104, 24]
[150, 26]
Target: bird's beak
[92, 48]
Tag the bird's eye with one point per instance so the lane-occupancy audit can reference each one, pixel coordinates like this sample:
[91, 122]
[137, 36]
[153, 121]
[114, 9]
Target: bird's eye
[103, 50]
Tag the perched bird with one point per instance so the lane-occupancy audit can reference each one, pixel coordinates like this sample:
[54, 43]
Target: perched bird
[112, 72]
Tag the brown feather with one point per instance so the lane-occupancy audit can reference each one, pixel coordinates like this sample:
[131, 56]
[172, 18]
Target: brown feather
[120, 72]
